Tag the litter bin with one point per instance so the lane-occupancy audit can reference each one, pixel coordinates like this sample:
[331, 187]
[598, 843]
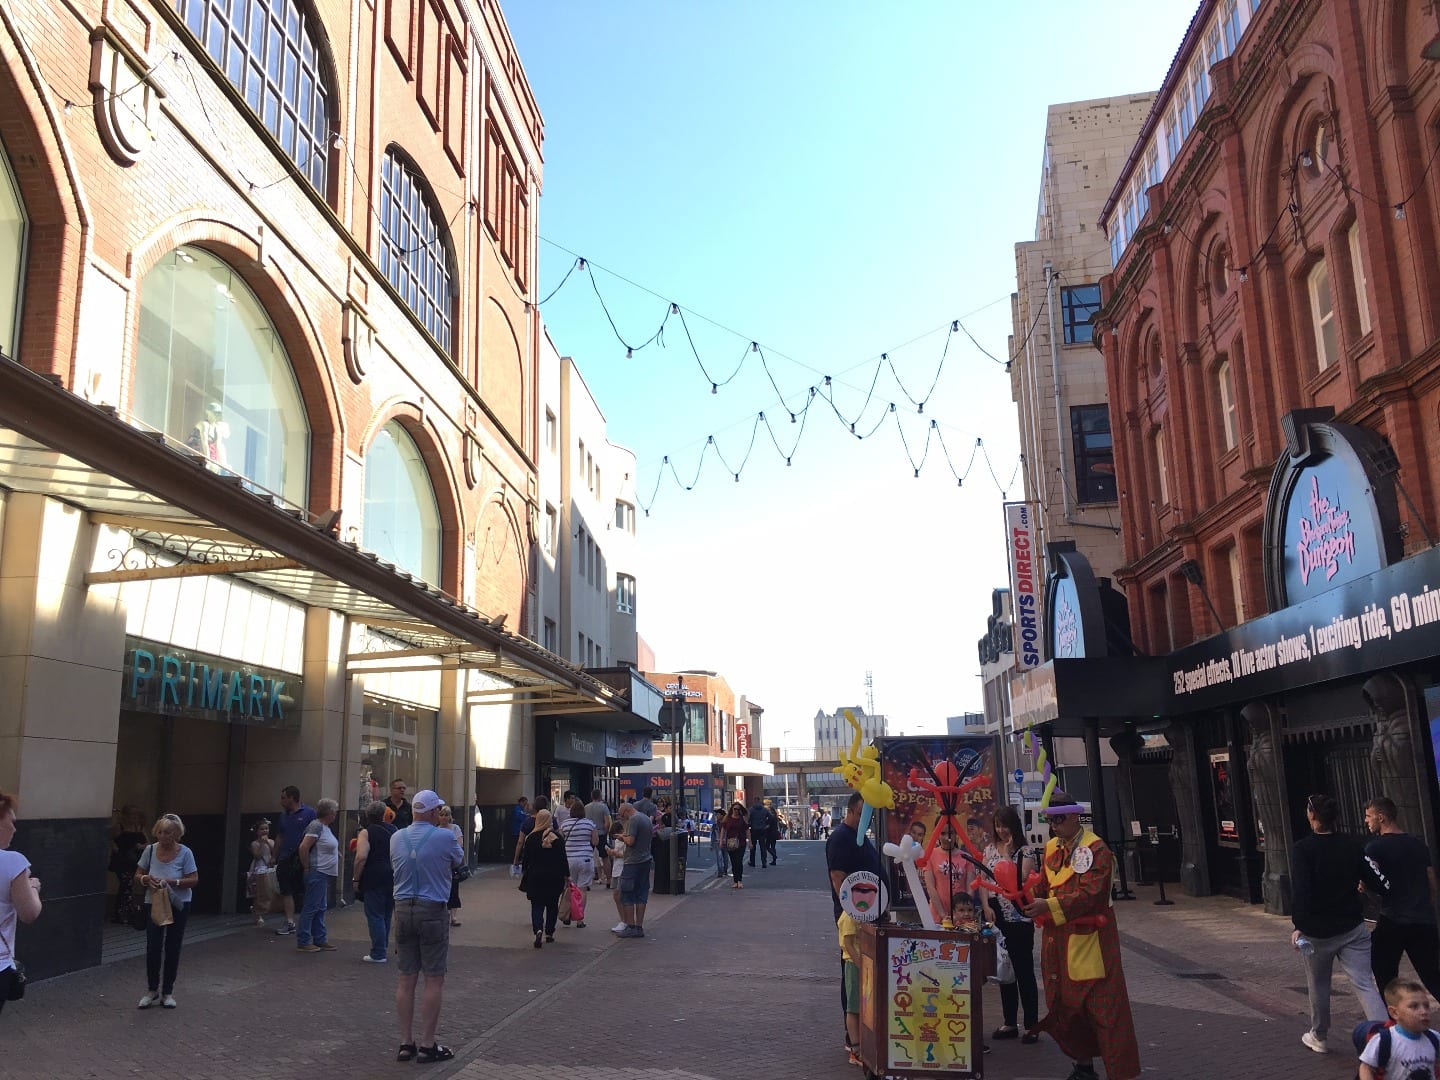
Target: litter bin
[663, 870]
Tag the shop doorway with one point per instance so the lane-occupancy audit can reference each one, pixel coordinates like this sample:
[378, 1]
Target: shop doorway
[168, 765]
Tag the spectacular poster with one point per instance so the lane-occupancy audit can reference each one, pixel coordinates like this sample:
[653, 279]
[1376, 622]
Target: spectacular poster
[929, 1024]
[941, 784]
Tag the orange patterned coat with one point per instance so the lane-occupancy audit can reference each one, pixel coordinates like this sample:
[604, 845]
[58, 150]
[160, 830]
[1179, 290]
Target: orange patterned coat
[1088, 1006]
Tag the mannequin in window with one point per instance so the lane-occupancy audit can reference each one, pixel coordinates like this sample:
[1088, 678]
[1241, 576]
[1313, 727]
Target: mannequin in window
[209, 436]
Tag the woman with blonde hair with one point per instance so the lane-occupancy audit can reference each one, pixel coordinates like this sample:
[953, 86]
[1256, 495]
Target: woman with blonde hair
[169, 866]
[545, 871]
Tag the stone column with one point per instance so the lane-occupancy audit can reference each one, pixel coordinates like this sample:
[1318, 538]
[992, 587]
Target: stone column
[1194, 866]
[62, 648]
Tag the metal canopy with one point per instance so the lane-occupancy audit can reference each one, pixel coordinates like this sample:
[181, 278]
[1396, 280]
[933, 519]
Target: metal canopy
[186, 518]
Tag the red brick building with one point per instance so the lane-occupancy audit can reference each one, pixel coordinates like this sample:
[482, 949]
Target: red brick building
[1276, 234]
[268, 423]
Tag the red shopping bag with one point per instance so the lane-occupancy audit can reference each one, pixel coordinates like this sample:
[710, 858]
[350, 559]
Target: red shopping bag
[577, 902]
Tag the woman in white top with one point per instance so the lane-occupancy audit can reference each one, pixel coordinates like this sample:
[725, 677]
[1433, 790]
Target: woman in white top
[320, 859]
[170, 865]
[446, 820]
[19, 894]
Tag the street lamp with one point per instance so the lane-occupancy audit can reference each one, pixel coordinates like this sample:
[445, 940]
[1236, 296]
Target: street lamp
[785, 735]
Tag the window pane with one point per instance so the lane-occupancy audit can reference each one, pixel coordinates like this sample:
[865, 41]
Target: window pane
[211, 373]
[1079, 303]
[413, 251]
[1094, 452]
[269, 36]
[402, 519]
[13, 230]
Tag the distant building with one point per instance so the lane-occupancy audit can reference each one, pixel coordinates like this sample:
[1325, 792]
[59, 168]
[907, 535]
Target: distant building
[833, 732]
[970, 723]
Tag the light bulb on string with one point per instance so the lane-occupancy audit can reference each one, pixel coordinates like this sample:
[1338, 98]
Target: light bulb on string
[674, 309]
[629, 354]
[580, 263]
[1399, 211]
[754, 346]
[714, 389]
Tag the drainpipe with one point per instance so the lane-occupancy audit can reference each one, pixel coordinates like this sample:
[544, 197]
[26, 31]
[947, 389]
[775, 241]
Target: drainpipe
[1050, 276]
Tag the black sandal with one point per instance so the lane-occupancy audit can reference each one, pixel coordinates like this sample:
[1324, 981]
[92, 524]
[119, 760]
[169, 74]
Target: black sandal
[1005, 1033]
[407, 1052]
[436, 1053]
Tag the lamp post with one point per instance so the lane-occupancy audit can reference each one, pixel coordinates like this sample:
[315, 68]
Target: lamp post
[785, 735]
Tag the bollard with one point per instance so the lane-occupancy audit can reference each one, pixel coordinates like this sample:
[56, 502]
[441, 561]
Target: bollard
[1160, 874]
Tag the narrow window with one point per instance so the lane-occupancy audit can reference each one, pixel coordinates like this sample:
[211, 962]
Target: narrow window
[1232, 559]
[552, 528]
[1094, 453]
[625, 594]
[1322, 316]
[1162, 474]
[1225, 379]
[1357, 272]
[415, 247]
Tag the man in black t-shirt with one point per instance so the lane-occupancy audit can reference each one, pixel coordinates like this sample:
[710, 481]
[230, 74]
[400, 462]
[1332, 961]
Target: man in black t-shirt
[1407, 918]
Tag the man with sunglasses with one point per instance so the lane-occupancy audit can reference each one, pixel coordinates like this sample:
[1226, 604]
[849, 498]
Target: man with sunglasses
[1087, 1003]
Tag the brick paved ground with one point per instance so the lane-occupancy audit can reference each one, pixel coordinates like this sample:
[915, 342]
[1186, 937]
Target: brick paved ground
[726, 985]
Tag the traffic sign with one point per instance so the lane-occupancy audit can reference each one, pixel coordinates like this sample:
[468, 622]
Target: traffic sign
[1019, 776]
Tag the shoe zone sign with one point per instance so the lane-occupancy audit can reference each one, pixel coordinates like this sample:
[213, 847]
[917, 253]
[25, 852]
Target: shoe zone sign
[167, 681]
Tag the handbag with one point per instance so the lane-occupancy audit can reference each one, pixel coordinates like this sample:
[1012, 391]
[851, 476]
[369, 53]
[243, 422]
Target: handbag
[139, 917]
[1004, 966]
[161, 911]
[577, 902]
[16, 990]
[564, 913]
[733, 843]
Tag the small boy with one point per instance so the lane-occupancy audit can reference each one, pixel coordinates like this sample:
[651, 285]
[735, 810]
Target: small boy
[962, 913]
[849, 933]
[1412, 1043]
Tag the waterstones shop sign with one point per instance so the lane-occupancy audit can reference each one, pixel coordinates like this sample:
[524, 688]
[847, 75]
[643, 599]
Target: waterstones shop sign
[1381, 620]
[167, 681]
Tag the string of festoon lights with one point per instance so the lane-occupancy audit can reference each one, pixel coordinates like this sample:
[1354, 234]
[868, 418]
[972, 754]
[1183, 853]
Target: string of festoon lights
[795, 405]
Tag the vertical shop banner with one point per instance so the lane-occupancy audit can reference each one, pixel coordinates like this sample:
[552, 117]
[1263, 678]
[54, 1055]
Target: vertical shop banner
[1021, 539]
[964, 797]
[742, 739]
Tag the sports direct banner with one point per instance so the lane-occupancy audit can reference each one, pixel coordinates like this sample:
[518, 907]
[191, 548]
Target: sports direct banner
[1025, 585]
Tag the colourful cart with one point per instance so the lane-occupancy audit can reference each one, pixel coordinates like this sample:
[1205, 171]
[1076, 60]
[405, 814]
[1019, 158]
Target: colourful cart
[920, 1002]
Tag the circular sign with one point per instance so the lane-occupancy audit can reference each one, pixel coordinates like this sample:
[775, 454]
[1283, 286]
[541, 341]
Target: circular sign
[1082, 860]
[863, 896]
[1019, 776]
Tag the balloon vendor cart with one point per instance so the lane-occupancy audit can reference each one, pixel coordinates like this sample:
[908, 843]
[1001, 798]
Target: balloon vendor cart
[921, 979]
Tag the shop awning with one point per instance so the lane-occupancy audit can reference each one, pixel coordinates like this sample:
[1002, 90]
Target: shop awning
[187, 519]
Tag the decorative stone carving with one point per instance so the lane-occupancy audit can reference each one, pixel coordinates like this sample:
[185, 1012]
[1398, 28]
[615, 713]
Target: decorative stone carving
[1267, 784]
[358, 337]
[125, 100]
[1194, 869]
[1394, 746]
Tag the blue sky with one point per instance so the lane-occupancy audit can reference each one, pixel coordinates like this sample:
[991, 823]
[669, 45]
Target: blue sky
[831, 180]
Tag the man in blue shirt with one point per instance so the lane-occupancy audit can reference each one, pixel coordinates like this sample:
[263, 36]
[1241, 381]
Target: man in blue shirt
[518, 813]
[289, 831]
[843, 856]
[423, 856]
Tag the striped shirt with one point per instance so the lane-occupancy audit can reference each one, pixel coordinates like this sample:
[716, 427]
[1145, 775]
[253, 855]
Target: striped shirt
[579, 833]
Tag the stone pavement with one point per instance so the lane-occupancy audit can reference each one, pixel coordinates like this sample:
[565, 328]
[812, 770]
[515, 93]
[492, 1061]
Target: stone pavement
[726, 983]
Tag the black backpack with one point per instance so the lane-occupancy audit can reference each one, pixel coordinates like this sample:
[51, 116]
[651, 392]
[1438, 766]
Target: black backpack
[1367, 1029]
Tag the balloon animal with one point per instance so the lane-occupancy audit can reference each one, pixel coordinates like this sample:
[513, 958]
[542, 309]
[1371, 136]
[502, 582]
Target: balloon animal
[907, 853]
[860, 769]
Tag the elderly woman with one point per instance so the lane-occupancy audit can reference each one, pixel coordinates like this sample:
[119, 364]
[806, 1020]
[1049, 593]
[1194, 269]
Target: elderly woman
[169, 865]
[446, 820]
[320, 860]
[375, 879]
[546, 871]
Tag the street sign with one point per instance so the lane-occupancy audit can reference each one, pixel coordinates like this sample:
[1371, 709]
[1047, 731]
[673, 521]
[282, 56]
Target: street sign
[1019, 776]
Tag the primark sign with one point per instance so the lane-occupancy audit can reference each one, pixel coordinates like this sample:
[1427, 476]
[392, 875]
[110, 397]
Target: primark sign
[1384, 619]
[168, 681]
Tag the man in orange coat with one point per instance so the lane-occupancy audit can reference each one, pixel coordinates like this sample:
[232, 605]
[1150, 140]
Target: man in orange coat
[1088, 1007]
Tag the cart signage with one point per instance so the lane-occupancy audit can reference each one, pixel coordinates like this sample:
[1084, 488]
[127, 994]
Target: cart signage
[930, 1026]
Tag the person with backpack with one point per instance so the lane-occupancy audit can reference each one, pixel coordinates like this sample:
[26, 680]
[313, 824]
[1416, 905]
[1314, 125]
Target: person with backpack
[1405, 1048]
[759, 829]
[1325, 867]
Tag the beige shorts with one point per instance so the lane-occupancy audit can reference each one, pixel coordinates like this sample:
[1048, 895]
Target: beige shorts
[422, 936]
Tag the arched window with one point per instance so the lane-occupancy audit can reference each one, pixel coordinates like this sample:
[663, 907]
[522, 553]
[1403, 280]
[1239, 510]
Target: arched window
[212, 373]
[267, 50]
[13, 230]
[415, 247]
[402, 519]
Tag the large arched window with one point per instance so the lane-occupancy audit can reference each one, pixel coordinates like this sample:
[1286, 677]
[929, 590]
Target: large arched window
[402, 519]
[267, 50]
[212, 373]
[415, 247]
[13, 230]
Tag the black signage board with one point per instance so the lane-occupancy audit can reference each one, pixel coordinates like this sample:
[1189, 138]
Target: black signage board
[1382, 620]
[1064, 691]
